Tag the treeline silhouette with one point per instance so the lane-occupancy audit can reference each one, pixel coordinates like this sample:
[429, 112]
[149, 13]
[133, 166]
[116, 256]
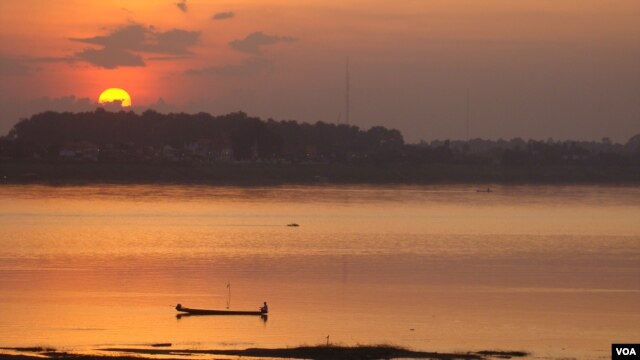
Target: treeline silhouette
[248, 138]
[152, 136]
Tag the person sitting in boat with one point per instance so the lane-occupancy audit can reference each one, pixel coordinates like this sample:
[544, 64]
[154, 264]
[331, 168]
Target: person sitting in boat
[264, 309]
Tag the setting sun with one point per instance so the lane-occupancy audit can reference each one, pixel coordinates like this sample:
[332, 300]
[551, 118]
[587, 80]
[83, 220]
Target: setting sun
[113, 95]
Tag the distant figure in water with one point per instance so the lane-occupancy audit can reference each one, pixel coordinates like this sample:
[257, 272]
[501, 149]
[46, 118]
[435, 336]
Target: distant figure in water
[264, 309]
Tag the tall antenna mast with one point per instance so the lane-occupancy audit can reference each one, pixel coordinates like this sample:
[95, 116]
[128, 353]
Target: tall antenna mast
[347, 91]
[467, 115]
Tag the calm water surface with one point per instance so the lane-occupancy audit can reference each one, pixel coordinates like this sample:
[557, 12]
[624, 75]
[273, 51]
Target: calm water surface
[551, 270]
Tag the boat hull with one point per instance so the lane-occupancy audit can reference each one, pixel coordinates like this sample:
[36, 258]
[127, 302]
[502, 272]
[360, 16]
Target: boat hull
[189, 311]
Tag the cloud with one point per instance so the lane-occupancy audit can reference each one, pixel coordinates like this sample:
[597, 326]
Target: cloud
[130, 37]
[250, 66]
[175, 42]
[182, 5]
[170, 58]
[65, 103]
[253, 42]
[223, 15]
[160, 106]
[13, 67]
[110, 58]
[123, 46]
[26, 65]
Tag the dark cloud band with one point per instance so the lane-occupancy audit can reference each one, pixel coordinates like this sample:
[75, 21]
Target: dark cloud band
[223, 15]
[125, 46]
[253, 43]
[251, 66]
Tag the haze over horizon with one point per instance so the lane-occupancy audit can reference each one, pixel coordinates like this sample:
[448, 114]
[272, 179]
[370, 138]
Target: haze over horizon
[533, 68]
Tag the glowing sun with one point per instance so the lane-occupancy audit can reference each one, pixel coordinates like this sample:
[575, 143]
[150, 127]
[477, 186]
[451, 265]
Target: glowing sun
[113, 95]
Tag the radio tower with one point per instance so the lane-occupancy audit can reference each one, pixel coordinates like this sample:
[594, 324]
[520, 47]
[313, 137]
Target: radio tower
[467, 114]
[347, 91]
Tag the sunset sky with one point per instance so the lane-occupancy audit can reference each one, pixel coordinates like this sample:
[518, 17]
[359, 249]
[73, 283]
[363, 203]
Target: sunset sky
[567, 69]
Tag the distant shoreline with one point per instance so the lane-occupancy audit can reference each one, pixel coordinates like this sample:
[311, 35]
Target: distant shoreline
[256, 174]
[317, 352]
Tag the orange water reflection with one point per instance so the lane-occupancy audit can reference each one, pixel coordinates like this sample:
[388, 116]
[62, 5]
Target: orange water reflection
[553, 270]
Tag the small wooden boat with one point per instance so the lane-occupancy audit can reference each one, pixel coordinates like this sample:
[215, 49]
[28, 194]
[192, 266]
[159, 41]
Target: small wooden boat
[216, 312]
[293, 225]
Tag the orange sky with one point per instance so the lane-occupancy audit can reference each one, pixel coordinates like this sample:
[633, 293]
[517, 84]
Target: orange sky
[534, 68]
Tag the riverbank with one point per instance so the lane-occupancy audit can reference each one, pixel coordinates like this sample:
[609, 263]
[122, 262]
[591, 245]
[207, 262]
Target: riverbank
[318, 352]
[250, 174]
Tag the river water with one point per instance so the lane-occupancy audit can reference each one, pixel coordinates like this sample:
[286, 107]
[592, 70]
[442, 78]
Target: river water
[551, 270]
